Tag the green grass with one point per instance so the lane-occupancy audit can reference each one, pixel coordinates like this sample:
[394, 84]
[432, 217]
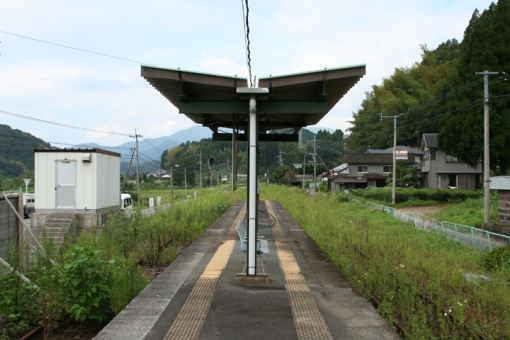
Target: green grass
[400, 265]
[469, 213]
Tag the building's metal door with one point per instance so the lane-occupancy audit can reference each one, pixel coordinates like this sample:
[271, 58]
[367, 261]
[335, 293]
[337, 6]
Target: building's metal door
[66, 185]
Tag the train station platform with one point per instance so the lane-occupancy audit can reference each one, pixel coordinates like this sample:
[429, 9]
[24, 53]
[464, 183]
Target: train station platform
[202, 296]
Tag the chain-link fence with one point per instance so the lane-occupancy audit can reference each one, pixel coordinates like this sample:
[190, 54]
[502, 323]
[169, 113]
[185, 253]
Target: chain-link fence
[470, 236]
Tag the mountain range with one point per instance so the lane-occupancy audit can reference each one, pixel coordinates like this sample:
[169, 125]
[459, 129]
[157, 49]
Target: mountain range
[150, 149]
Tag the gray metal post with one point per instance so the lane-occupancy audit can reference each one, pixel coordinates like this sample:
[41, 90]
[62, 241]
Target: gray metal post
[234, 159]
[394, 187]
[252, 190]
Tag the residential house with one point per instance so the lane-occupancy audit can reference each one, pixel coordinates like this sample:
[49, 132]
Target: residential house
[440, 170]
[367, 169]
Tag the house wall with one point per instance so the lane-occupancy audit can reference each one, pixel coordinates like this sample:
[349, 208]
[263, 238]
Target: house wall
[435, 170]
[108, 181]
[373, 168]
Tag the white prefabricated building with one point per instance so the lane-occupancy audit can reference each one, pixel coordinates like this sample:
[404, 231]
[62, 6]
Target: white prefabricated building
[76, 180]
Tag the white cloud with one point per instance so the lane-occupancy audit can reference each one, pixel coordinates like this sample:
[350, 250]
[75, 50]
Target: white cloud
[83, 89]
[221, 65]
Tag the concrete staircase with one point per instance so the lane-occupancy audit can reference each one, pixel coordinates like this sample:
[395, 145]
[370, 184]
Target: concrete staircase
[56, 228]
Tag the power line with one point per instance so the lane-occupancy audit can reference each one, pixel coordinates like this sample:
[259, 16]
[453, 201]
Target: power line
[246, 25]
[72, 48]
[62, 125]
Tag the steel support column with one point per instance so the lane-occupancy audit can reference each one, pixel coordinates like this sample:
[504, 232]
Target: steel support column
[234, 153]
[251, 252]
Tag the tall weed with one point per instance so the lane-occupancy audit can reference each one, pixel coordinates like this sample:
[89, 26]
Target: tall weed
[420, 278]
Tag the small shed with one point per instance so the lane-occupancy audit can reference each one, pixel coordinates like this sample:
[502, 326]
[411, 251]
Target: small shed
[76, 180]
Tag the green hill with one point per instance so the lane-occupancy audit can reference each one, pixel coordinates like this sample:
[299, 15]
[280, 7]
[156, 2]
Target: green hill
[17, 151]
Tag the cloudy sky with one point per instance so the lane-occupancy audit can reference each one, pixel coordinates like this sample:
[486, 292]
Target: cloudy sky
[72, 87]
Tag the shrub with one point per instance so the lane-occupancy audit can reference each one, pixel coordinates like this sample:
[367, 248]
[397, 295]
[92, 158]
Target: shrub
[86, 283]
[497, 259]
[406, 194]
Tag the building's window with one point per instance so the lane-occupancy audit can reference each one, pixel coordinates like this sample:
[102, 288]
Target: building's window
[451, 159]
[362, 168]
[387, 168]
[452, 181]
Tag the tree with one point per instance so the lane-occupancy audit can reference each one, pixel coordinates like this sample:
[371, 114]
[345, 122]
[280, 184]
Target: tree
[289, 177]
[486, 46]
[407, 176]
[280, 174]
[416, 94]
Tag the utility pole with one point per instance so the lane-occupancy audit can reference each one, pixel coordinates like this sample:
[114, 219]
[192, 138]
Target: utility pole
[200, 169]
[314, 166]
[228, 169]
[281, 158]
[185, 183]
[172, 181]
[211, 169]
[127, 172]
[304, 159]
[486, 150]
[394, 187]
[137, 167]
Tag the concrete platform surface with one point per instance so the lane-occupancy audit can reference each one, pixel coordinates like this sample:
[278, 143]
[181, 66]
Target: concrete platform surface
[197, 296]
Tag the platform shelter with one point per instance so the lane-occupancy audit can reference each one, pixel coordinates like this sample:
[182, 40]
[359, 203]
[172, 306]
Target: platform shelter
[280, 103]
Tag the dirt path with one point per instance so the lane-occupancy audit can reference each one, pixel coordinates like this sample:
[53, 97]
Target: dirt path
[432, 209]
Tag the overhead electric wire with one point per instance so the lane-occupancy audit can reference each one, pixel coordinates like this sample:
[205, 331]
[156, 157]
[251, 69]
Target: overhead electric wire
[246, 26]
[460, 109]
[62, 125]
[70, 47]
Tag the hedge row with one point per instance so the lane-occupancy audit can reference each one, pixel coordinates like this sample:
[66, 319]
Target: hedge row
[406, 194]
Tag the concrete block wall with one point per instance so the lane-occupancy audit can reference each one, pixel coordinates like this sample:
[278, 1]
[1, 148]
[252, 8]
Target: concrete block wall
[504, 206]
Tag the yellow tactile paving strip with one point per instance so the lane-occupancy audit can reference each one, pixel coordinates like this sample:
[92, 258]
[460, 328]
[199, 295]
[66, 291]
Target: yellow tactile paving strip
[191, 318]
[308, 320]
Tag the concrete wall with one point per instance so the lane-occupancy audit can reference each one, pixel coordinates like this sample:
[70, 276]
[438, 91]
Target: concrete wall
[504, 206]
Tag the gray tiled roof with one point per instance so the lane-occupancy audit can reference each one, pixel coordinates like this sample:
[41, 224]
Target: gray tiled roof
[399, 148]
[375, 158]
[430, 140]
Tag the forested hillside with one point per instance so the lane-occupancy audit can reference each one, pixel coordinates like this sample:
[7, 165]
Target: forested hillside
[17, 151]
[444, 92]
[417, 95]
[486, 47]
[329, 148]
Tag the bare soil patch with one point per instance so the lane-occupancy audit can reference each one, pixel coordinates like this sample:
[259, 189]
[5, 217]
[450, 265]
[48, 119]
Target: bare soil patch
[425, 210]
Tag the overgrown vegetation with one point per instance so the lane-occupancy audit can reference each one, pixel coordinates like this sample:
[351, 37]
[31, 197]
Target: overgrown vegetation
[469, 212]
[99, 273]
[435, 287]
[407, 194]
